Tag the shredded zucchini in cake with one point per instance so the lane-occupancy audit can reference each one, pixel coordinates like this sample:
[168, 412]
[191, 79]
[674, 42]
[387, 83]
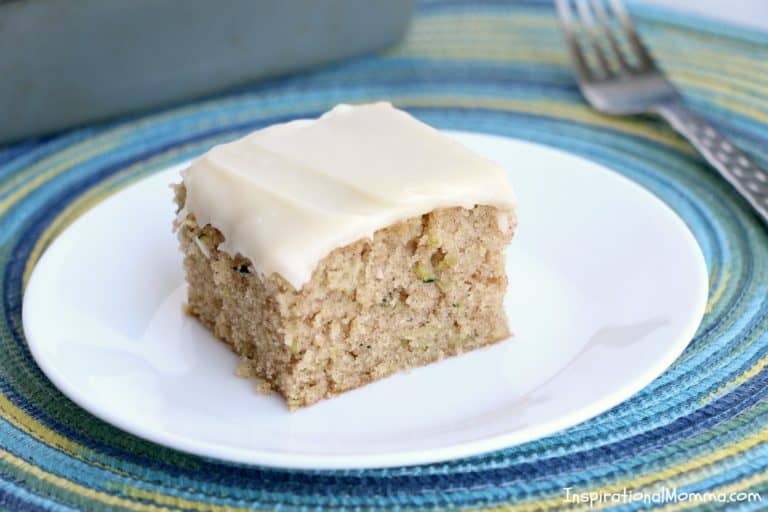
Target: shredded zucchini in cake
[424, 272]
[202, 242]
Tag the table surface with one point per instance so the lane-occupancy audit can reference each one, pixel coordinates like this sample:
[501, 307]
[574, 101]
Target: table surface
[748, 13]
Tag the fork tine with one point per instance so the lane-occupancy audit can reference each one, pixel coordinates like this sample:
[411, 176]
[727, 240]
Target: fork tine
[640, 51]
[597, 7]
[587, 20]
[565, 15]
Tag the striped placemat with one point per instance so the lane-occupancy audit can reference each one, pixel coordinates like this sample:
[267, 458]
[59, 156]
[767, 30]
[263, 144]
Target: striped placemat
[489, 66]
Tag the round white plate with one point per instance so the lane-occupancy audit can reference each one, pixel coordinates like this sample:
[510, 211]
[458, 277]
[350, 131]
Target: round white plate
[607, 287]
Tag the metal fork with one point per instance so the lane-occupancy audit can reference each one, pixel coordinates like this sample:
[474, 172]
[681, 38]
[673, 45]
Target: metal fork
[623, 79]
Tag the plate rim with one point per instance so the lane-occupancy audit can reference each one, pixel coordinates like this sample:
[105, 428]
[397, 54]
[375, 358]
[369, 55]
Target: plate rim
[290, 460]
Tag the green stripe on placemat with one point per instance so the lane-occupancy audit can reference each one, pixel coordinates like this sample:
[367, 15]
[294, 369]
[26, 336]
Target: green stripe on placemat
[488, 66]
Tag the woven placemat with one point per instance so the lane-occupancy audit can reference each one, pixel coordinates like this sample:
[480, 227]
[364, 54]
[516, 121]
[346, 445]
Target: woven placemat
[487, 66]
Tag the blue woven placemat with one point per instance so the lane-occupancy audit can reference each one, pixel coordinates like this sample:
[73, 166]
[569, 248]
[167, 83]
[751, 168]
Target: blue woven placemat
[489, 66]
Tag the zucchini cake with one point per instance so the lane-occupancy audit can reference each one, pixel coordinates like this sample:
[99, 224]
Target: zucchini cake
[332, 252]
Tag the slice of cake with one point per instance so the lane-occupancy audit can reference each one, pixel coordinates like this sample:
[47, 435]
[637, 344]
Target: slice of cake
[332, 252]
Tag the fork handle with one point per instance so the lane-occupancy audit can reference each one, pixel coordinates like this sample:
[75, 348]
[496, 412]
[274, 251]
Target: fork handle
[737, 168]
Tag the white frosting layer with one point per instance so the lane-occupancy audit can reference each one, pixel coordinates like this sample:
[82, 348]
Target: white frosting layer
[287, 195]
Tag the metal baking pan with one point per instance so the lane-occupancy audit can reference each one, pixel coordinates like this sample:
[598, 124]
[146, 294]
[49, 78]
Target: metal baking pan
[68, 62]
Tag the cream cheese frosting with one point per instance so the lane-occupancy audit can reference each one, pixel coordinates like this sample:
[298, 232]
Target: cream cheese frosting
[287, 195]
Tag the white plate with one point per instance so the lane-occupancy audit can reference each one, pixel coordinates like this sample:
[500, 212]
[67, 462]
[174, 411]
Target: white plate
[607, 287]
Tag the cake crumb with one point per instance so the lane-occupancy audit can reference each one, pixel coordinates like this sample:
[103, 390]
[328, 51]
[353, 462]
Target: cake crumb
[245, 369]
[263, 387]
